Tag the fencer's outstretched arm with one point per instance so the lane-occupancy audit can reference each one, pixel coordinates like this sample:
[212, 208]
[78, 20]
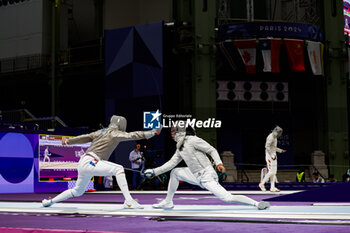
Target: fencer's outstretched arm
[175, 160]
[123, 136]
[79, 139]
[126, 136]
[206, 148]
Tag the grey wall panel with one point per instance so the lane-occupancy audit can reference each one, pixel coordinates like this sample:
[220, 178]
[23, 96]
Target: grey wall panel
[21, 29]
[120, 13]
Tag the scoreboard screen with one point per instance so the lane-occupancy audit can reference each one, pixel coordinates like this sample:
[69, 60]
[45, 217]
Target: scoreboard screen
[58, 162]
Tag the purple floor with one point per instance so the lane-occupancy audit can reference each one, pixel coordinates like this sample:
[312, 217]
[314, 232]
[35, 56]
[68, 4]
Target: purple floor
[141, 224]
[143, 198]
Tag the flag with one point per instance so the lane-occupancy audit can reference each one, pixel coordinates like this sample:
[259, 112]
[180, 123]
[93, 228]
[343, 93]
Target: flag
[295, 52]
[247, 50]
[227, 50]
[315, 57]
[270, 49]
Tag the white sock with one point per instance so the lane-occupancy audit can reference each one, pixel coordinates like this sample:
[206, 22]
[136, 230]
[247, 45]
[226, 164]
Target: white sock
[172, 187]
[273, 181]
[220, 192]
[244, 200]
[123, 185]
[62, 196]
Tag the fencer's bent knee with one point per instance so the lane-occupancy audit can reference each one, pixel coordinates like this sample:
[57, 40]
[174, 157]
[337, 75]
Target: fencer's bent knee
[175, 172]
[119, 171]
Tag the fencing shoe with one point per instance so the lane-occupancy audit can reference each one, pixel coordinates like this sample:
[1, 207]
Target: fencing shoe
[164, 205]
[46, 203]
[275, 190]
[262, 187]
[263, 205]
[132, 204]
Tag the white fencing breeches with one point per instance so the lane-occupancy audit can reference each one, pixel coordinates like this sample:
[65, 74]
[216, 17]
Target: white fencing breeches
[89, 167]
[272, 169]
[208, 180]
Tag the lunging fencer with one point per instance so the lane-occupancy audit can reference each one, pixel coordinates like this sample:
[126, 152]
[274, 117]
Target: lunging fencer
[271, 150]
[199, 171]
[95, 161]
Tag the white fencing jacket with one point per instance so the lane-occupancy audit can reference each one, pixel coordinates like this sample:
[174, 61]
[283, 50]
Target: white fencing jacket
[271, 146]
[194, 152]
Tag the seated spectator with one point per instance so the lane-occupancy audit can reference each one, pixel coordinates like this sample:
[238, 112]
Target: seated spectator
[331, 179]
[317, 178]
[346, 176]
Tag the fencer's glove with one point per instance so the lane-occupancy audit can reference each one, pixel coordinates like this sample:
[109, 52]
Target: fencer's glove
[149, 173]
[158, 130]
[153, 132]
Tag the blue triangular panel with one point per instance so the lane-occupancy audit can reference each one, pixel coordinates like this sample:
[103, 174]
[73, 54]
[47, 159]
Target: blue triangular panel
[118, 84]
[152, 35]
[147, 80]
[142, 54]
[125, 54]
[114, 39]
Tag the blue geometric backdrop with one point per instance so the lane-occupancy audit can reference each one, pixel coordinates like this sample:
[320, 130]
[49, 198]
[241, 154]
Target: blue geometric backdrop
[133, 79]
[134, 61]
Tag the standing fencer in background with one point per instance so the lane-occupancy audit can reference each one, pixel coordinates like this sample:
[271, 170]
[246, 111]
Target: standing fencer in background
[271, 150]
[47, 154]
[95, 161]
[193, 150]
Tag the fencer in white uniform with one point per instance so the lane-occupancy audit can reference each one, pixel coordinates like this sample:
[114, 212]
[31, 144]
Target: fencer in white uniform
[95, 161]
[271, 150]
[199, 171]
[46, 154]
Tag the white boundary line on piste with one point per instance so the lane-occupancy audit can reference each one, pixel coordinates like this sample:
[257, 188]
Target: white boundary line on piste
[199, 192]
[306, 212]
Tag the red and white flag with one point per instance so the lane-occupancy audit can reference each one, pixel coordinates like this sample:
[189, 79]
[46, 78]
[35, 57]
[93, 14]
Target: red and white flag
[270, 49]
[295, 52]
[247, 50]
[314, 50]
